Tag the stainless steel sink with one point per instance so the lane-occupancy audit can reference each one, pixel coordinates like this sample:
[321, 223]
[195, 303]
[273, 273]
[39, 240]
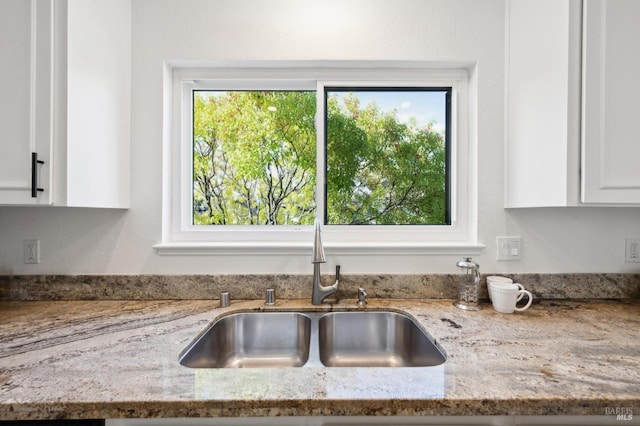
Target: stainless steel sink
[313, 339]
[375, 339]
[266, 339]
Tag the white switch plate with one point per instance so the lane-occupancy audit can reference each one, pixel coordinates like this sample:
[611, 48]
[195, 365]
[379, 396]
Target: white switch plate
[31, 251]
[509, 248]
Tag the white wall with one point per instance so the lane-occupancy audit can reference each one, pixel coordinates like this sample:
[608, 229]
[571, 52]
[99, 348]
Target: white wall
[77, 241]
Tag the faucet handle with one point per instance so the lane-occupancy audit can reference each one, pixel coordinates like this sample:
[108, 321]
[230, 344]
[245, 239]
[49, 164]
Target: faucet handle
[362, 296]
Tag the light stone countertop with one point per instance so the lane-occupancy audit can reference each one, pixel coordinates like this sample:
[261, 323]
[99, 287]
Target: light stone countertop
[113, 359]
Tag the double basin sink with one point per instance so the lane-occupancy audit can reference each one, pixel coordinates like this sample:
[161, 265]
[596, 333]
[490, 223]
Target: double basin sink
[308, 339]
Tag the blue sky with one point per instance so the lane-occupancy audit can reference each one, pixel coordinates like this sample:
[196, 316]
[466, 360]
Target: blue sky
[424, 106]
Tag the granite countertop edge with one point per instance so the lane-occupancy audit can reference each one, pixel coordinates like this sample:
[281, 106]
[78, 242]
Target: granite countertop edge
[324, 407]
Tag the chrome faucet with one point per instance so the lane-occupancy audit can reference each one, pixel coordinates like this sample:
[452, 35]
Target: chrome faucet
[320, 292]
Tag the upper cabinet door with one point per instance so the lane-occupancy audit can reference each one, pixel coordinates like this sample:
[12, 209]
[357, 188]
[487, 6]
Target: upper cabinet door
[65, 90]
[611, 102]
[26, 114]
[542, 104]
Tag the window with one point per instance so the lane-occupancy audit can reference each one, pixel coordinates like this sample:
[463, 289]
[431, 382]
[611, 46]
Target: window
[254, 157]
[381, 156]
[387, 155]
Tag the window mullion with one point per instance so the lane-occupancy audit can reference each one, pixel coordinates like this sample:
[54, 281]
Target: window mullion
[321, 156]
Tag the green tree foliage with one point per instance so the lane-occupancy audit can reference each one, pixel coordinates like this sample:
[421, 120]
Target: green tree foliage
[381, 171]
[255, 162]
[254, 158]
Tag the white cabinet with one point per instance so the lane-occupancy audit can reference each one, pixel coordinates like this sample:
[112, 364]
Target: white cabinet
[611, 102]
[26, 120]
[65, 86]
[542, 103]
[569, 135]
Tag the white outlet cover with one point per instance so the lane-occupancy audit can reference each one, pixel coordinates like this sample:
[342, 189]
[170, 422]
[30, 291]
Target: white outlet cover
[31, 251]
[632, 250]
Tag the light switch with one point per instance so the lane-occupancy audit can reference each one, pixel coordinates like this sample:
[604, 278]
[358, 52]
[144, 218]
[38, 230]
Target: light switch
[509, 248]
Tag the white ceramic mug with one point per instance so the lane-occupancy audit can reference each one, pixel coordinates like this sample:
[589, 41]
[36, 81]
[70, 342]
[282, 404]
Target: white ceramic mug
[493, 285]
[497, 281]
[505, 299]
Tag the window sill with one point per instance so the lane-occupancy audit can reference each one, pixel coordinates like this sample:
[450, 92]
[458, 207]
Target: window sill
[304, 249]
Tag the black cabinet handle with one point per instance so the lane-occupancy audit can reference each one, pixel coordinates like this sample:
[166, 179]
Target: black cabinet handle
[34, 174]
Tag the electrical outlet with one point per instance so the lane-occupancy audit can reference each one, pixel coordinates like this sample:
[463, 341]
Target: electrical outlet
[632, 250]
[509, 248]
[31, 251]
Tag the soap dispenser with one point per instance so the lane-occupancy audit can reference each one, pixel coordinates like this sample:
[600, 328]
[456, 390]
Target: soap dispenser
[469, 285]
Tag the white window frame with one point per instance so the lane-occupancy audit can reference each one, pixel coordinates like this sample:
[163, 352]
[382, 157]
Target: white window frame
[181, 237]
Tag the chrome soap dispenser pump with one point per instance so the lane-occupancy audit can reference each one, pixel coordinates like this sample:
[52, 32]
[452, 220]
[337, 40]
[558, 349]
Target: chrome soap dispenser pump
[469, 286]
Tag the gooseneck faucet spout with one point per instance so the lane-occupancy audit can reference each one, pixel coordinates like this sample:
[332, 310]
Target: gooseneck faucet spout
[320, 292]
